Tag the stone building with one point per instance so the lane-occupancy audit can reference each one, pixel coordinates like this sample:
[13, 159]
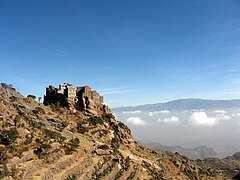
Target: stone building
[80, 98]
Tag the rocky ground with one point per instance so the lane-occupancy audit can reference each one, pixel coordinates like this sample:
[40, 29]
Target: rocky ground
[51, 142]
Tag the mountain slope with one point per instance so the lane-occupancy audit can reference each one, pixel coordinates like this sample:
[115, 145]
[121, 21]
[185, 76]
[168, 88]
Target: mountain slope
[52, 142]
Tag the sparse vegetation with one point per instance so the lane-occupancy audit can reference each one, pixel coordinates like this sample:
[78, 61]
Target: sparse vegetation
[62, 125]
[190, 174]
[54, 135]
[37, 124]
[152, 171]
[72, 177]
[123, 126]
[132, 175]
[29, 138]
[73, 144]
[7, 137]
[31, 96]
[5, 86]
[105, 171]
[104, 147]
[17, 120]
[4, 171]
[103, 133]
[28, 100]
[94, 120]
[39, 110]
[82, 129]
[127, 163]
[38, 152]
[55, 106]
[45, 146]
[13, 98]
[109, 116]
[42, 150]
[115, 143]
[3, 155]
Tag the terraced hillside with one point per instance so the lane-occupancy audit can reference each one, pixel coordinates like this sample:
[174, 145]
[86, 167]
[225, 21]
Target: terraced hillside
[52, 142]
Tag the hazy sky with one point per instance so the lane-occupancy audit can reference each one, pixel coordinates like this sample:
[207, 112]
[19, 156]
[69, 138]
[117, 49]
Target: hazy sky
[132, 51]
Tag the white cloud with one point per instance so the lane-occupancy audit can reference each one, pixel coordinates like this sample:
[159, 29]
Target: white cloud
[136, 121]
[223, 117]
[159, 112]
[219, 112]
[164, 112]
[184, 112]
[196, 110]
[201, 118]
[117, 90]
[236, 114]
[132, 112]
[172, 119]
[151, 113]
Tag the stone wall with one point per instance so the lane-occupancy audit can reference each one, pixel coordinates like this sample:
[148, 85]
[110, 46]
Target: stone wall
[54, 95]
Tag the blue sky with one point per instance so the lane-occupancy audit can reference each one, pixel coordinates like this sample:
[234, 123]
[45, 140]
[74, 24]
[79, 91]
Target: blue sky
[133, 52]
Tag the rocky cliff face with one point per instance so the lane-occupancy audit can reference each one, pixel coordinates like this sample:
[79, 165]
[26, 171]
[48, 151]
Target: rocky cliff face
[64, 142]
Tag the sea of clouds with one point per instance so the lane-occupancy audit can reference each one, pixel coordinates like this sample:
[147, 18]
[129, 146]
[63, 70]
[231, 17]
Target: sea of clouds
[217, 128]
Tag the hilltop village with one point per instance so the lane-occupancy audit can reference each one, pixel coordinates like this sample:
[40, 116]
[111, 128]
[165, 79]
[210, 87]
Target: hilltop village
[79, 98]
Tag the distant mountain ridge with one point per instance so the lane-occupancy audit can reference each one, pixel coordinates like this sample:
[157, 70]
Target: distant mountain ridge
[200, 152]
[235, 156]
[183, 104]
